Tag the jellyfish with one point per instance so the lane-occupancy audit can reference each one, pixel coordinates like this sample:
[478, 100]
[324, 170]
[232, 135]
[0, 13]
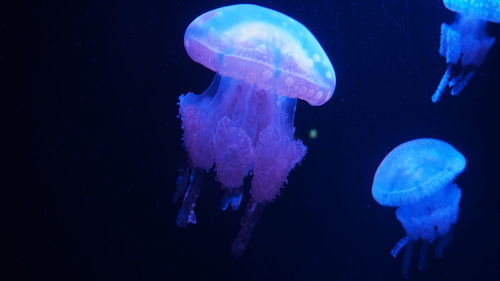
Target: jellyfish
[417, 177]
[244, 122]
[465, 43]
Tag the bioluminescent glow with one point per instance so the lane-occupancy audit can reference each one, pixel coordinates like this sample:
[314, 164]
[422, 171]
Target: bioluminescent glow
[417, 178]
[244, 122]
[465, 43]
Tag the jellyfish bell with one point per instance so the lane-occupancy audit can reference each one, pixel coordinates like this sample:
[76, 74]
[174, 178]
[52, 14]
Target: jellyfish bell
[488, 10]
[414, 170]
[263, 47]
[417, 177]
[243, 123]
[465, 42]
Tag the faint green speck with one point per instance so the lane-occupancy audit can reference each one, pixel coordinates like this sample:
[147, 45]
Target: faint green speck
[313, 133]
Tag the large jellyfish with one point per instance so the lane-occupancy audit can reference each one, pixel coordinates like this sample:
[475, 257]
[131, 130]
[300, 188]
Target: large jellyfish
[417, 177]
[243, 123]
[465, 42]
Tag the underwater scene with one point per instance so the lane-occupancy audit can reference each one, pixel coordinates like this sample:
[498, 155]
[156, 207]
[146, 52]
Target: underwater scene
[260, 140]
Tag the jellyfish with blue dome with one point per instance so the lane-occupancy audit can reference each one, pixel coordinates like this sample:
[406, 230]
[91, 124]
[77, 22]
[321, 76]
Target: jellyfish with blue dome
[465, 43]
[417, 177]
[244, 122]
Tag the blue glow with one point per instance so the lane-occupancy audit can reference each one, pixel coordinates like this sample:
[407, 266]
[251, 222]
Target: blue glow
[417, 177]
[465, 43]
[264, 47]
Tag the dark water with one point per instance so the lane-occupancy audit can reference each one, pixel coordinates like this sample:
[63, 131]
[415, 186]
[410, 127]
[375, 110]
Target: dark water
[105, 77]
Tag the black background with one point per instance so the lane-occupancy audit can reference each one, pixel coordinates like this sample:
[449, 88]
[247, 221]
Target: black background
[105, 76]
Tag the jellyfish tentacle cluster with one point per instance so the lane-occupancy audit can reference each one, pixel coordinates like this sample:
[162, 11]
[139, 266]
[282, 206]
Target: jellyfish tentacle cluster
[465, 43]
[417, 178]
[244, 122]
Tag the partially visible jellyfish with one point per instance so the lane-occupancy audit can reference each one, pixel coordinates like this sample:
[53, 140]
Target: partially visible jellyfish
[417, 177]
[465, 42]
[243, 123]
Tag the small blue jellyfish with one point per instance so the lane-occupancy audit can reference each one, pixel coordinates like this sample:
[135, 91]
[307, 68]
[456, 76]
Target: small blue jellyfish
[465, 39]
[417, 177]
